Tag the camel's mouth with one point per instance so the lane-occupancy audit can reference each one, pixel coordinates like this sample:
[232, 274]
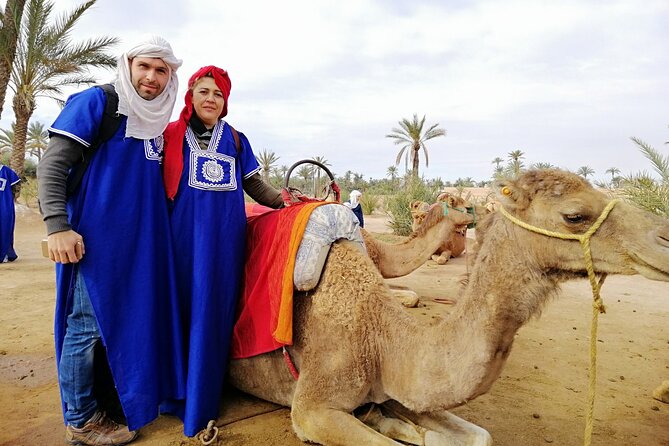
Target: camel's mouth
[648, 270]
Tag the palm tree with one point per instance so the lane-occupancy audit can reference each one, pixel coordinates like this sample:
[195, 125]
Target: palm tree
[659, 162]
[392, 173]
[47, 60]
[7, 139]
[644, 190]
[614, 179]
[585, 171]
[305, 172]
[267, 160]
[9, 34]
[515, 163]
[497, 161]
[317, 170]
[411, 135]
[613, 171]
[38, 139]
[541, 165]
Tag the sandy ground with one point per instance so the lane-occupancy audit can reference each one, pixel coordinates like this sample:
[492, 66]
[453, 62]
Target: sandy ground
[540, 398]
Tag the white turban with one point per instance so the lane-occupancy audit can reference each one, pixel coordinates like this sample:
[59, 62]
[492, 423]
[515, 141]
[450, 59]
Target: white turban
[147, 118]
[353, 197]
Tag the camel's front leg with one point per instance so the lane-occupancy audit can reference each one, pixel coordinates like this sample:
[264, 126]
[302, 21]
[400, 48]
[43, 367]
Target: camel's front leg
[393, 427]
[331, 427]
[442, 258]
[443, 428]
[407, 297]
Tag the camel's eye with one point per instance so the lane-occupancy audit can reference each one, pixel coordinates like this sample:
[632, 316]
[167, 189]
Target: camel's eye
[573, 218]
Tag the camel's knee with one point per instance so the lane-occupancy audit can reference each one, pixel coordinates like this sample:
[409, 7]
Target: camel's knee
[435, 438]
[442, 258]
[303, 422]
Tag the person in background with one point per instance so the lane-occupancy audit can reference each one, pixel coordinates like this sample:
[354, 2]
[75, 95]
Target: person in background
[208, 166]
[110, 239]
[354, 204]
[8, 179]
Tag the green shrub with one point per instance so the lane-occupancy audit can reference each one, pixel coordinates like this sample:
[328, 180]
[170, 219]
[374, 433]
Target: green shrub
[29, 192]
[369, 203]
[398, 205]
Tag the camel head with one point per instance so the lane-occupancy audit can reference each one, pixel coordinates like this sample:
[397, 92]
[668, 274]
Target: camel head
[628, 241]
[435, 214]
[419, 211]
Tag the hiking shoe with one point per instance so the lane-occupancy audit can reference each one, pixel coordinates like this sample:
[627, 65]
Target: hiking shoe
[99, 431]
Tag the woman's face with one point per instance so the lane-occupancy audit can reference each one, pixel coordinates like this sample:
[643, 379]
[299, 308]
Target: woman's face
[208, 101]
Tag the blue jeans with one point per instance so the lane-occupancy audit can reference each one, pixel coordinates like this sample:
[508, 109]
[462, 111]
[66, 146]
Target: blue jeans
[75, 371]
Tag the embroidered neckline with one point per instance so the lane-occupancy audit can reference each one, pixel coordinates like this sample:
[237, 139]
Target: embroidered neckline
[216, 134]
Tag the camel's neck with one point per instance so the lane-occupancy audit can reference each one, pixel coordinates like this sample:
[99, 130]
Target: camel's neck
[396, 260]
[468, 349]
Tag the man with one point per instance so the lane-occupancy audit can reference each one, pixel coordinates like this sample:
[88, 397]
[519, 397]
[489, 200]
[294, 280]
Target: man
[110, 239]
[354, 204]
[8, 178]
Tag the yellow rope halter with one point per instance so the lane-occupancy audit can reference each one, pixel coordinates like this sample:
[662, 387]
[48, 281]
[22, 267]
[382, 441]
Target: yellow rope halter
[598, 305]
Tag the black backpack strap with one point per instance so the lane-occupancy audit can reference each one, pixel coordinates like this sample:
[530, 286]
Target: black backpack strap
[109, 125]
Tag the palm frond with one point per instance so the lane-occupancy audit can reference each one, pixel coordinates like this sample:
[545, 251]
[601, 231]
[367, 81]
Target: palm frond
[660, 163]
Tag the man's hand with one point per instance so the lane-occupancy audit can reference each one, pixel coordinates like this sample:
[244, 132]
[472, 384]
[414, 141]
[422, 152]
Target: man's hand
[66, 247]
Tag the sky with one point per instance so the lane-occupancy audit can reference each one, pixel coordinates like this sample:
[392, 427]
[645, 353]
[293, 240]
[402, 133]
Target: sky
[567, 83]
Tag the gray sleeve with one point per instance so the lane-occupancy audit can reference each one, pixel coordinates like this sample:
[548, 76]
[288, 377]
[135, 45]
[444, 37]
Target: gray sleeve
[262, 192]
[61, 154]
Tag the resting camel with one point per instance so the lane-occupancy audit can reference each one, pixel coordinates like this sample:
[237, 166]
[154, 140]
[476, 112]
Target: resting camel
[353, 344]
[400, 259]
[454, 245]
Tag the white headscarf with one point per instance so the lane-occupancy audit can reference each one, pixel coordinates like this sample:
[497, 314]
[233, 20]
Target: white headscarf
[146, 118]
[353, 197]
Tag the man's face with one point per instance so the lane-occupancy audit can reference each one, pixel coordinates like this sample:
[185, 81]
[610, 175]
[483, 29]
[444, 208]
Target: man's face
[149, 76]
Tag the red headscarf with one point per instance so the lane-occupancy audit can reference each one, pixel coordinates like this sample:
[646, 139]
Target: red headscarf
[173, 162]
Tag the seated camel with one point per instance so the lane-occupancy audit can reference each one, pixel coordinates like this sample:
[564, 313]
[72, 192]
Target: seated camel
[456, 244]
[354, 344]
[399, 259]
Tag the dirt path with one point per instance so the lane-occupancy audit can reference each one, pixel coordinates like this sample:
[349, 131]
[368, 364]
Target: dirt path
[539, 399]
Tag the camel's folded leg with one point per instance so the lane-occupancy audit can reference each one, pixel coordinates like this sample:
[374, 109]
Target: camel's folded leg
[408, 298]
[442, 258]
[443, 428]
[331, 427]
[393, 427]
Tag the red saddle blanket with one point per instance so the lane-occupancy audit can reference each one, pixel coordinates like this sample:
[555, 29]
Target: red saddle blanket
[265, 310]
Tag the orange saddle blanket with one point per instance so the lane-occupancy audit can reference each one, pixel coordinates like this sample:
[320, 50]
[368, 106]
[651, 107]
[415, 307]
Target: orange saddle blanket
[265, 310]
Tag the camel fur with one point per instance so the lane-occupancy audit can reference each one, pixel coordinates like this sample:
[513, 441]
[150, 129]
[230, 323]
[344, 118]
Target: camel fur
[354, 344]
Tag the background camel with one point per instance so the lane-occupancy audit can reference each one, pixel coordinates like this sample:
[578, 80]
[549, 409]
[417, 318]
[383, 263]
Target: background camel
[399, 259]
[435, 230]
[355, 345]
[455, 245]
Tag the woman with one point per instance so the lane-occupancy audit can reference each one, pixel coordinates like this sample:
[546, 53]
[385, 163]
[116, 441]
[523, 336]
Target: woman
[206, 165]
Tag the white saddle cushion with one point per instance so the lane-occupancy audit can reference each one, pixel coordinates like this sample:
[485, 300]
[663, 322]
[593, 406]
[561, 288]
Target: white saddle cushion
[327, 224]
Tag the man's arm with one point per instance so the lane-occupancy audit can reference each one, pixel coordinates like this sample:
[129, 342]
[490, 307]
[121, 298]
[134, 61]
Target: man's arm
[65, 245]
[262, 192]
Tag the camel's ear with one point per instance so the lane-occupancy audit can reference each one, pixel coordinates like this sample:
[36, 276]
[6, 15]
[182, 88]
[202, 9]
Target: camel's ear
[510, 195]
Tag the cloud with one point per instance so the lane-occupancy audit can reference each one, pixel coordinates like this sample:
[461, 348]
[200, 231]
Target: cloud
[566, 82]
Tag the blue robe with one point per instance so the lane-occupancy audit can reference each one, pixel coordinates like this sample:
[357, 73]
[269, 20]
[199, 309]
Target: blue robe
[208, 227]
[120, 209]
[8, 178]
